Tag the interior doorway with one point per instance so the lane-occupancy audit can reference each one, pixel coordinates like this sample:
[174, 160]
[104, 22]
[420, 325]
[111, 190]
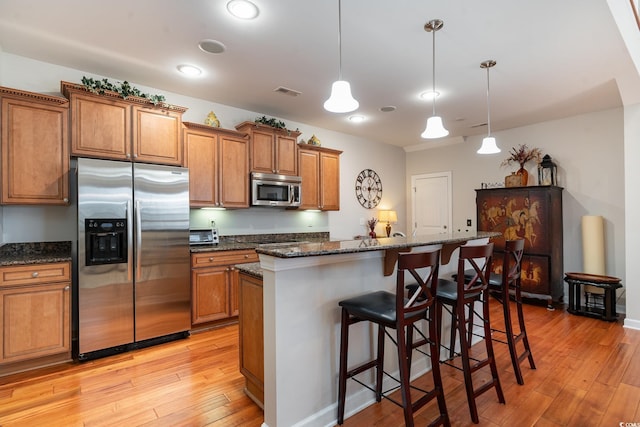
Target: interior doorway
[431, 203]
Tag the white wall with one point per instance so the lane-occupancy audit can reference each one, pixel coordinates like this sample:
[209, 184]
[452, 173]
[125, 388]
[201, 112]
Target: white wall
[27, 224]
[632, 210]
[589, 152]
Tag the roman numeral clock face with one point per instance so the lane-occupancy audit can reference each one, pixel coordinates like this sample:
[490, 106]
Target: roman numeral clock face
[368, 188]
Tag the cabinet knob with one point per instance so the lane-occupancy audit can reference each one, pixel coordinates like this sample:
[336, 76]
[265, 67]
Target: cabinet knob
[246, 256]
[66, 200]
[210, 259]
[66, 288]
[35, 274]
[135, 156]
[231, 268]
[128, 156]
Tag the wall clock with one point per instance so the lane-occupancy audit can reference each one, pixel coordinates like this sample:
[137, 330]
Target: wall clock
[368, 188]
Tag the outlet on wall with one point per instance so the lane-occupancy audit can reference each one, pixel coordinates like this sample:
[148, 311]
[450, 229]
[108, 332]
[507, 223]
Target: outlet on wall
[468, 223]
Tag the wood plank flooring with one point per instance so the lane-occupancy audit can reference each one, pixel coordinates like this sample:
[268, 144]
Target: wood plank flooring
[588, 374]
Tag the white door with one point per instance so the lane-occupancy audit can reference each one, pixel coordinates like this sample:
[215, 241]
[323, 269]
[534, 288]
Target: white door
[431, 203]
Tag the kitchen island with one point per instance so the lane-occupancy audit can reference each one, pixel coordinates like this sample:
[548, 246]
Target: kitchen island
[302, 285]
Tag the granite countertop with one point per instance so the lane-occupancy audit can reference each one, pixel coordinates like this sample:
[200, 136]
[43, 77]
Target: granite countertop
[252, 269]
[252, 241]
[34, 253]
[305, 249]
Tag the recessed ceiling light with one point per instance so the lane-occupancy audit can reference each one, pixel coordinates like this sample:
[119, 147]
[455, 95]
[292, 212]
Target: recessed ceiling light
[388, 108]
[212, 46]
[242, 9]
[189, 70]
[356, 119]
[429, 95]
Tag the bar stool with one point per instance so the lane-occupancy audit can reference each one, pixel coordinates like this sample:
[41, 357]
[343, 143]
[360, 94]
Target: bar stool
[396, 311]
[460, 295]
[502, 287]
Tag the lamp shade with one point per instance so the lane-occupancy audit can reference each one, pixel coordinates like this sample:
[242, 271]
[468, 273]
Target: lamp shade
[341, 100]
[434, 128]
[388, 216]
[488, 146]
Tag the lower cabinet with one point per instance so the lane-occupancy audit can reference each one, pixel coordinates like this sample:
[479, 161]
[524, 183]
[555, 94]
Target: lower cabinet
[214, 284]
[35, 315]
[251, 333]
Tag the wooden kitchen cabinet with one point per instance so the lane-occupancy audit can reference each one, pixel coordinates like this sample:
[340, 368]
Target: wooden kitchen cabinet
[218, 162]
[34, 147]
[272, 150]
[535, 214]
[35, 315]
[110, 127]
[320, 172]
[214, 284]
[251, 332]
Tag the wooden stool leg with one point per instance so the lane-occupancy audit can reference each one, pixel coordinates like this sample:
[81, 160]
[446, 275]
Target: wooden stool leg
[342, 376]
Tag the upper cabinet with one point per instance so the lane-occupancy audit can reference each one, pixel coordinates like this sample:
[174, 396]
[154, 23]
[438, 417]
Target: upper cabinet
[35, 153]
[109, 127]
[320, 172]
[272, 150]
[218, 162]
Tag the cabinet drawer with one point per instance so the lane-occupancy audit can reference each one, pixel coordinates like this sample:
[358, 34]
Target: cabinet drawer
[208, 259]
[34, 274]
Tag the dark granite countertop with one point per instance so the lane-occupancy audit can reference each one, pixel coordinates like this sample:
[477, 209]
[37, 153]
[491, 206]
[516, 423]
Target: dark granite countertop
[305, 249]
[34, 253]
[252, 241]
[252, 269]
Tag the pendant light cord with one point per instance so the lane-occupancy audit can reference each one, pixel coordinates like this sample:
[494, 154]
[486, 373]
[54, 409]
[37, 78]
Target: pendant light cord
[488, 106]
[433, 63]
[339, 40]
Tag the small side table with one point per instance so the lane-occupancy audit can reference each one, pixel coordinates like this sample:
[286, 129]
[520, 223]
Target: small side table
[599, 306]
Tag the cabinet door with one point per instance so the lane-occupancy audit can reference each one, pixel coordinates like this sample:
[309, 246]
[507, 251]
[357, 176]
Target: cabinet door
[35, 153]
[309, 163]
[210, 294]
[100, 127]
[329, 182]
[35, 321]
[156, 136]
[234, 172]
[251, 322]
[262, 152]
[286, 157]
[201, 160]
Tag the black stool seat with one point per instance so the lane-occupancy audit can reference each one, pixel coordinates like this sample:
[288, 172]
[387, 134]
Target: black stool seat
[378, 307]
[448, 289]
[495, 279]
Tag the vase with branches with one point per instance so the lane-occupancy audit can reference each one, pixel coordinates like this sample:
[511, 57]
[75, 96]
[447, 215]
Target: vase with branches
[522, 155]
[372, 227]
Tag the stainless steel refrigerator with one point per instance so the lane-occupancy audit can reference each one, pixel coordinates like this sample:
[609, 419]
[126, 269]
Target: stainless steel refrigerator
[133, 255]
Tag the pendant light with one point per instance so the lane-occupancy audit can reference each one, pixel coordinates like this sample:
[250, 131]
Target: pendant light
[340, 100]
[488, 143]
[435, 128]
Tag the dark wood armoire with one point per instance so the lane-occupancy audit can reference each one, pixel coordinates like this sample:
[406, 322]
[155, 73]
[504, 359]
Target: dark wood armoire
[534, 214]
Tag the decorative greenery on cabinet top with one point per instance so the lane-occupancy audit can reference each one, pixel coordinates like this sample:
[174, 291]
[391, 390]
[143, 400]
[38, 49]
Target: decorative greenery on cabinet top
[68, 88]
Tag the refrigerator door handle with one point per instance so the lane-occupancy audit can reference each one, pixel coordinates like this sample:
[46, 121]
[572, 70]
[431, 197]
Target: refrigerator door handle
[138, 240]
[129, 212]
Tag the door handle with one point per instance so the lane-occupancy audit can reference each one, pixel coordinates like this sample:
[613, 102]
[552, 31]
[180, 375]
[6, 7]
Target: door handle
[138, 240]
[129, 213]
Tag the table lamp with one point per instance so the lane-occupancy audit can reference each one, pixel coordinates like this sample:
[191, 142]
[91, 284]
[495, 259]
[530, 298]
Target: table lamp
[388, 217]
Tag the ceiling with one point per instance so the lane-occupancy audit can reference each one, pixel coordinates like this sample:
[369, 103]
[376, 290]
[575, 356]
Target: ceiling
[554, 58]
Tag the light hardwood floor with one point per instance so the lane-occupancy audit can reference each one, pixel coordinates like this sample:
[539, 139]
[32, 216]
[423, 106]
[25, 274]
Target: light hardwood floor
[588, 374]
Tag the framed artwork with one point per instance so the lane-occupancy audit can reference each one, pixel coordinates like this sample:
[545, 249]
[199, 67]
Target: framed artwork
[635, 7]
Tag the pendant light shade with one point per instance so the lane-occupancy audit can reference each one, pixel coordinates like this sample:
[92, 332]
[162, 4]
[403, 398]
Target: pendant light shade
[488, 143]
[434, 128]
[341, 100]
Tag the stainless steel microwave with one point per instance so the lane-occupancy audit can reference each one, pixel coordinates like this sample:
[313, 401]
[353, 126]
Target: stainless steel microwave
[275, 190]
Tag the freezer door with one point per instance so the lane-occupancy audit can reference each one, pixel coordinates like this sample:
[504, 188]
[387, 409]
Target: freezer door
[162, 270]
[105, 291]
